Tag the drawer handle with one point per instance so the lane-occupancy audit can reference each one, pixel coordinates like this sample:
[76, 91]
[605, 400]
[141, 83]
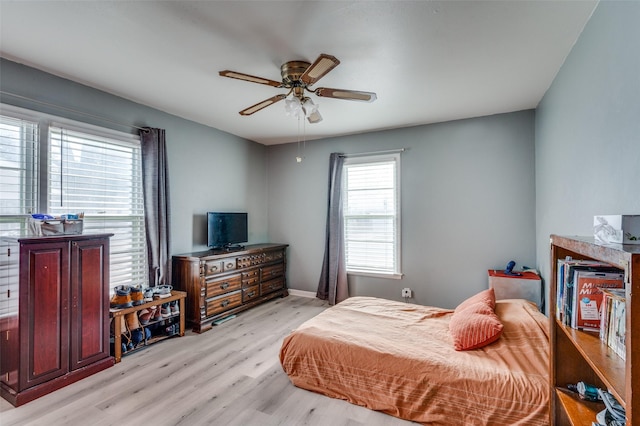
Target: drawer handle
[213, 268]
[224, 303]
[224, 286]
[253, 293]
[229, 265]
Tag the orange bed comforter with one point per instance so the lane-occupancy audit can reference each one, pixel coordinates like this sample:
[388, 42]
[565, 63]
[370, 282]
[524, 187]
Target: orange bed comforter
[398, 358]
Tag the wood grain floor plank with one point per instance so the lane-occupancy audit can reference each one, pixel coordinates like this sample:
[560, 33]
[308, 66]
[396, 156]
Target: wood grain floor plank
[230, 375]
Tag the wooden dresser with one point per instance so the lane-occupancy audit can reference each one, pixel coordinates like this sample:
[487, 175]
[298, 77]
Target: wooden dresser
[220, 283]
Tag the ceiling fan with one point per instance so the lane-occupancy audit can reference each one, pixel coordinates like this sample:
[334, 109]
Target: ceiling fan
[297, 76]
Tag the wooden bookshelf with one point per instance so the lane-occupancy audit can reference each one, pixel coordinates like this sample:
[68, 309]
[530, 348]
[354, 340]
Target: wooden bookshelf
[580, 355]
[576, 411]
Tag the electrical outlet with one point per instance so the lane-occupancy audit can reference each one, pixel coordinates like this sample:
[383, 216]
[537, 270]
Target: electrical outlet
[406, 292]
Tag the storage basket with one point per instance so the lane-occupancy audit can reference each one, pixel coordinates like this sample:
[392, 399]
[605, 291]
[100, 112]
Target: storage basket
[48, 227]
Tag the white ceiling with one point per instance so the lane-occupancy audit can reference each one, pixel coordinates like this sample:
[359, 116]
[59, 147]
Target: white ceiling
[428, 61]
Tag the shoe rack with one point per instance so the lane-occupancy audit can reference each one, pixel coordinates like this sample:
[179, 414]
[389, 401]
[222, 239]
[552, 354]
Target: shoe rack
[117, 316]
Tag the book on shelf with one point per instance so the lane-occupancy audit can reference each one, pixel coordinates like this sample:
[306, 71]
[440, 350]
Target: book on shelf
[613, 324]
[565, 289]
[587, 298]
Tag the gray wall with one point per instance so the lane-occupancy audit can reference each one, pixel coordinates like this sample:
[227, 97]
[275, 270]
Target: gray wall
[588, 130]
[208, 169]
[467, 205]
[470, 196]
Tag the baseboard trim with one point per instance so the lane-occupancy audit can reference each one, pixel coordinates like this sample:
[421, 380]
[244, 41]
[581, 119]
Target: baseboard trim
[301, 293]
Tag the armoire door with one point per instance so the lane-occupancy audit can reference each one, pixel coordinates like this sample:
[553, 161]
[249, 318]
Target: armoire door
[44, 306]
[89, 305]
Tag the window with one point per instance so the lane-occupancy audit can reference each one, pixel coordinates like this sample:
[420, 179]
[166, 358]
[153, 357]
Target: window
[18, 172]
[371, 209]
[83, 169]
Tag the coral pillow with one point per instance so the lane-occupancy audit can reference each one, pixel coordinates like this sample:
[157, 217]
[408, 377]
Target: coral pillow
[475, 326]
[487, 296]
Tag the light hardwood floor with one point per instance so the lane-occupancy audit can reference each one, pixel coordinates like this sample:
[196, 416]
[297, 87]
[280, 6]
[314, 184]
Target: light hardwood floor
[230, 375]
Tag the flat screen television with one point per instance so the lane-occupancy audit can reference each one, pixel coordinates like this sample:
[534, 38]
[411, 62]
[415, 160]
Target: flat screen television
[226, 230]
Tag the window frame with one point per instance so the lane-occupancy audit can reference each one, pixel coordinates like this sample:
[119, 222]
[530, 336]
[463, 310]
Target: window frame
[394, 157]
[46, 122]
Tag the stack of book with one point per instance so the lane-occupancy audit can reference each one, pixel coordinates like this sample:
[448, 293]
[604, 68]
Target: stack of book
[579, 291]
[613, 324]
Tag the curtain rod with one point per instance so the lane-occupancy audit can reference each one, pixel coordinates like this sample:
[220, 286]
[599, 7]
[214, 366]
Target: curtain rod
[75, 111]
[389, 151]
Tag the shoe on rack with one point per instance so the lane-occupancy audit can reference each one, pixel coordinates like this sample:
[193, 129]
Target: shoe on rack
[145, 316]
[132, 321]
[137, 295]
[122, 297]
[175, 307]
[157, 314]
[168, 330]
[162, 291]
[137, 336]
[166, 310]
[148, 294]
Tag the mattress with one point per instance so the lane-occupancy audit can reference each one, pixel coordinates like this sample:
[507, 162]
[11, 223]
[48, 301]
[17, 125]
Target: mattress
[398, 358]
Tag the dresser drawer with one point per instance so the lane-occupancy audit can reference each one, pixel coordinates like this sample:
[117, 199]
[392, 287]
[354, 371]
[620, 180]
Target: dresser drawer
[251, 260]
[251, 277]
[250, 293]
[212, 267]
[273, 271]
[223, 303]
[222, 285]
[272, 285]
[274, 255]
[229, 264]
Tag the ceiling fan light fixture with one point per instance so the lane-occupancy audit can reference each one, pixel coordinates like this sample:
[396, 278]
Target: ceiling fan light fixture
[315, 117]
[293, 107]
[311, 111]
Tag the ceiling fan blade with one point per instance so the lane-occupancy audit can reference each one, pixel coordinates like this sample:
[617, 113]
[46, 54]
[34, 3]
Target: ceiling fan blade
[350, 95]
[319, 68]
[260, 105]
[251, 78]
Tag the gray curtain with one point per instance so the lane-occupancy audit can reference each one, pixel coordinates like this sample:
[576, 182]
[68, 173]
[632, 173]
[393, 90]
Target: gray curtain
[155, 181]
[333, 284]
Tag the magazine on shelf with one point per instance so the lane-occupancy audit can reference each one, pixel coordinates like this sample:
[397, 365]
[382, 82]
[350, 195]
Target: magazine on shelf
[587, 298]
[565, 284]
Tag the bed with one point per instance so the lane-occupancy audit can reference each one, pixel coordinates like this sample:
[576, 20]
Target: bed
[399, 358]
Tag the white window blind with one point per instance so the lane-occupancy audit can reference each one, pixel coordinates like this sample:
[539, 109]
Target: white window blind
[101, 176]
[18, 173]
[371, 210]
[18, 198]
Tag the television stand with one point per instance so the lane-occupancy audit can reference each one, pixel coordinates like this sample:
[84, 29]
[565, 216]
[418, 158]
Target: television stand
[232, 248]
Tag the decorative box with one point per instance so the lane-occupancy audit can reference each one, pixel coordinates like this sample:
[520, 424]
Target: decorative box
[621, 229]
